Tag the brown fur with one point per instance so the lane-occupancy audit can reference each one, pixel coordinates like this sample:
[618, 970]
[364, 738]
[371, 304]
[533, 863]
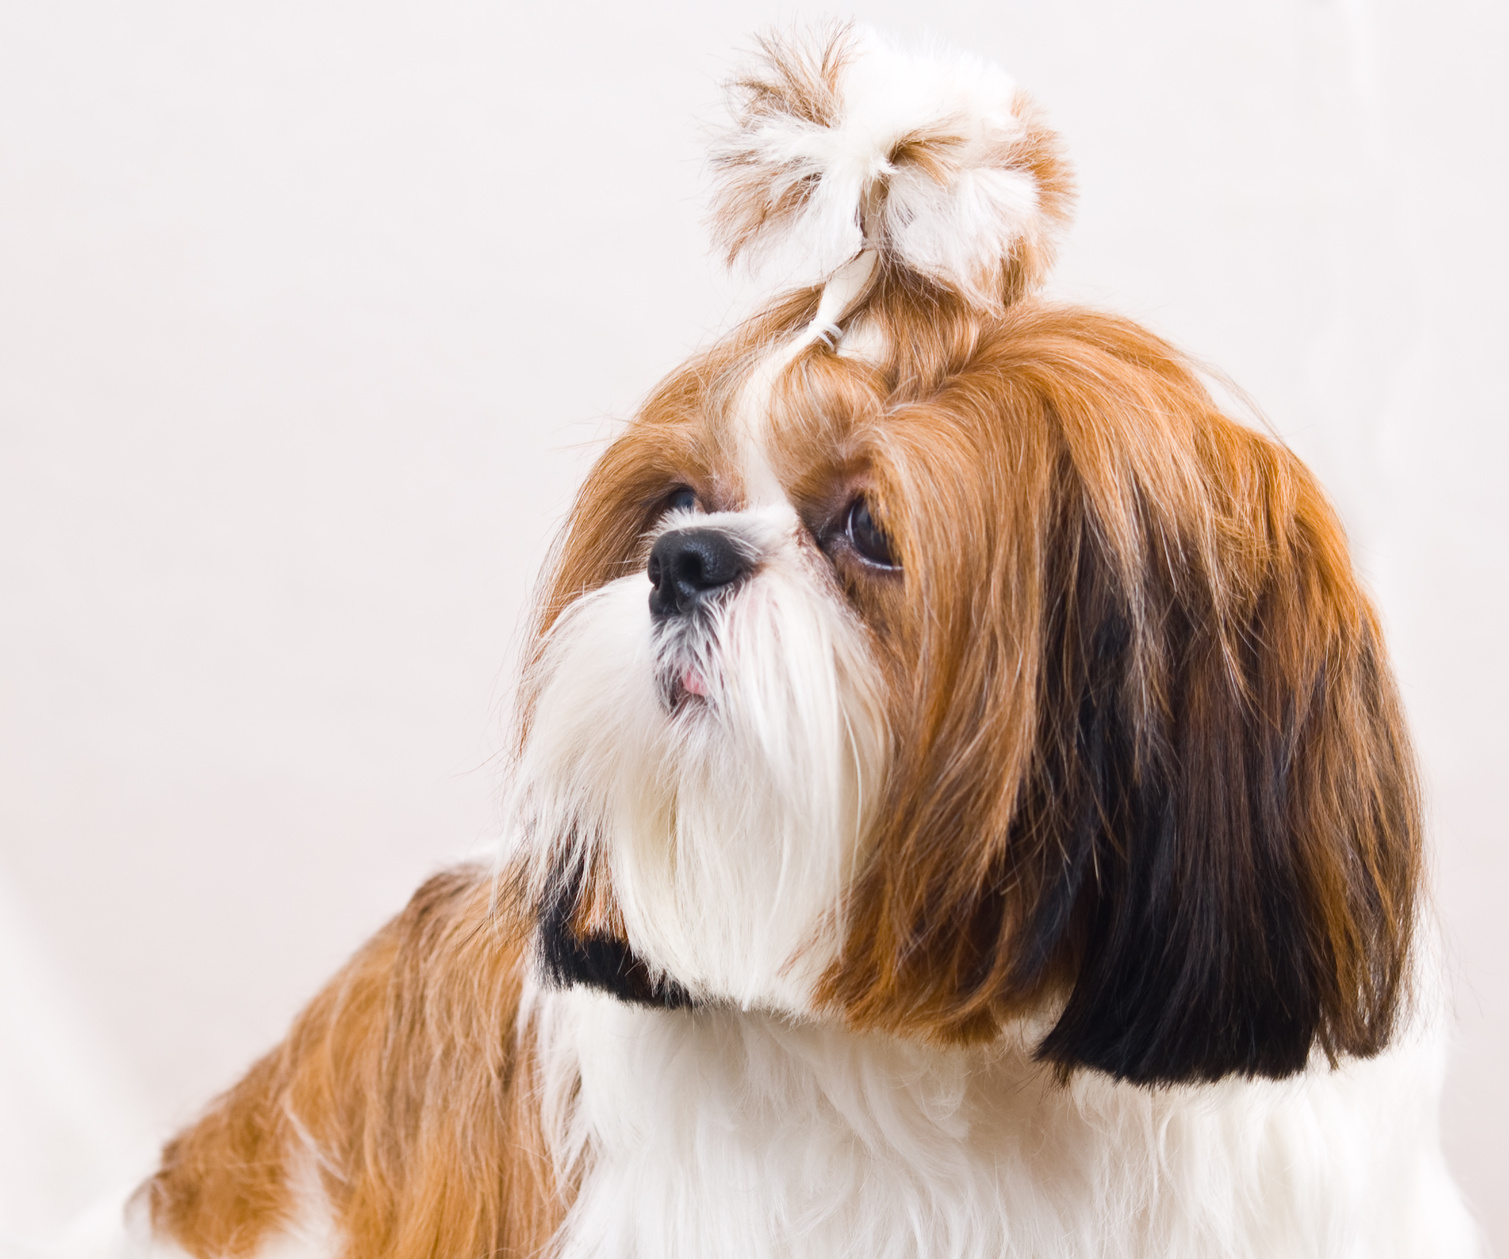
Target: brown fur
[1040, 475]
[406, 1086]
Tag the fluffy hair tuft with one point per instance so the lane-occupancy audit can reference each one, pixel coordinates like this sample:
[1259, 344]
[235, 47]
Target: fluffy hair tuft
[841, 141]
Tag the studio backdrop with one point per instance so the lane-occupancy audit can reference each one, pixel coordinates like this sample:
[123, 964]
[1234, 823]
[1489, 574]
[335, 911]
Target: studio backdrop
[313, 314]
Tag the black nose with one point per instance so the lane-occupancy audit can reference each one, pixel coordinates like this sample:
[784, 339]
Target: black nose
[686, 565]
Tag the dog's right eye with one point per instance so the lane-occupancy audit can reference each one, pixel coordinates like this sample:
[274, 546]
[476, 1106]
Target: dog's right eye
[682, 498]
[867, 537]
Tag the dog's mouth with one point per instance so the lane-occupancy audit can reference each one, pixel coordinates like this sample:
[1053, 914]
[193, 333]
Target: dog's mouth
[682, 688]
[682, 676]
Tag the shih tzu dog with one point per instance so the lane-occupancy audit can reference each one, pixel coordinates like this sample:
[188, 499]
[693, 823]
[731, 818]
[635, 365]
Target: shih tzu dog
[960, 804]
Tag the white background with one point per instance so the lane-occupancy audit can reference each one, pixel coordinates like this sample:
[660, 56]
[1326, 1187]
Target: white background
[312, 314]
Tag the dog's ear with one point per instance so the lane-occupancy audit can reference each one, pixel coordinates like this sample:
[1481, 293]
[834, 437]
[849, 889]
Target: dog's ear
[1234, 795]
[1158, 780]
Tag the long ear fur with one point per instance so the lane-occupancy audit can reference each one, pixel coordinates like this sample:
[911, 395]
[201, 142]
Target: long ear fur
[1252, 834]
[1156, 774]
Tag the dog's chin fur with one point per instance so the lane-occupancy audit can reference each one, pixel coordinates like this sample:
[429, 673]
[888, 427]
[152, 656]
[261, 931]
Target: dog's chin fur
[727, 822]
[1025, 866]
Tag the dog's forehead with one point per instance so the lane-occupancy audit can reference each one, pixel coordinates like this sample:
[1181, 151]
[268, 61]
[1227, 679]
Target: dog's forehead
[788, 426]
[753, 430]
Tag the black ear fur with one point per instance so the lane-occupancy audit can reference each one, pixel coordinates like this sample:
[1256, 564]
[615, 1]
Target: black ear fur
[1235, 807]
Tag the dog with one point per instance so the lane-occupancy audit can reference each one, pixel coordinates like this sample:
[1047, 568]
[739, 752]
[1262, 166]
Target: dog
[959, 806]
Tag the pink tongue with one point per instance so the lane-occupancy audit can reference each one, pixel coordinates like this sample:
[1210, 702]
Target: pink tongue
[692, 683]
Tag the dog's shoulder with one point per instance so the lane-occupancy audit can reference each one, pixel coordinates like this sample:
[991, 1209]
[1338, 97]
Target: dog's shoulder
[395, 1118]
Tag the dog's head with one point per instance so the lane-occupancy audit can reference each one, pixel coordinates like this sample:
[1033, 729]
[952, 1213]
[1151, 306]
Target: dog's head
[931, 657]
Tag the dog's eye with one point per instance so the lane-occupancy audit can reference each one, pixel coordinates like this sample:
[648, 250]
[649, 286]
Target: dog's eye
[681, 498]
[867, 537]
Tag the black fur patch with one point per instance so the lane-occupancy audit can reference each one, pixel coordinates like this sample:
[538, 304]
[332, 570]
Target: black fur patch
[598, 961]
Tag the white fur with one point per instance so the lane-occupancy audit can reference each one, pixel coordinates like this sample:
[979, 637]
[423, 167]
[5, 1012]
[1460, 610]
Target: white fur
[953, 232]
[719, 1133]
[751, 422]
[731, 827]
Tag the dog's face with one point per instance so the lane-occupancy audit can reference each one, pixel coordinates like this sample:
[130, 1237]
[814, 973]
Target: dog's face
[989, 673]
[708, 734]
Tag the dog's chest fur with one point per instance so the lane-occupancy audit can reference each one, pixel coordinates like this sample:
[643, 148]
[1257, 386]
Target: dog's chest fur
[726, 1133]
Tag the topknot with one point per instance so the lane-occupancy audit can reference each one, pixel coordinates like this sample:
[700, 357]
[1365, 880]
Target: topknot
[843, 142]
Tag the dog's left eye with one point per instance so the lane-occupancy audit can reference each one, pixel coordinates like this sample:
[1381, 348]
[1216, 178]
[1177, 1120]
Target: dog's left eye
[682, 498]
[868, 538]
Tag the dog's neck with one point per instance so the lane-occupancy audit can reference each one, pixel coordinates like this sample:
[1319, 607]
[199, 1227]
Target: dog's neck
[718, 1132]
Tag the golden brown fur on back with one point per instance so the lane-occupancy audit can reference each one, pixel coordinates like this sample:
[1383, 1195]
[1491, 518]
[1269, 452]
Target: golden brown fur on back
[408, 1087]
